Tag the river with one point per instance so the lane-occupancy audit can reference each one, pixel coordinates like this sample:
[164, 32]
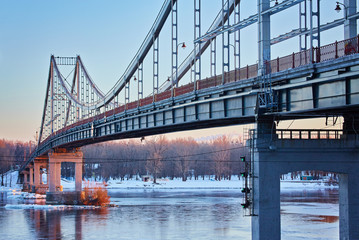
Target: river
[173, 214]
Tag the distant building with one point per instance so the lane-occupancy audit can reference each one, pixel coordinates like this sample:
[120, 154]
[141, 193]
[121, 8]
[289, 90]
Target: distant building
[146, 178]
[303, 177]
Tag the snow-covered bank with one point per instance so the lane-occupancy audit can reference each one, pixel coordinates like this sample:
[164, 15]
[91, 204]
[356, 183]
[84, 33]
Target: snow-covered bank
[234, 183]
[10, 182]
[177, 183]
[48, 207]
[297, 185]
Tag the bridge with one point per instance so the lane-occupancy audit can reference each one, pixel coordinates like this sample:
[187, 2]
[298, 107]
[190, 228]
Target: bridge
[316, 81]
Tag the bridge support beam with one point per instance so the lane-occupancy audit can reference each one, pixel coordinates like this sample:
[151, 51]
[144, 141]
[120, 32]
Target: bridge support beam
[266, 185]
[31, 176]
[349, 206]
[273, 157]
[26, 177]
[55, 159]
[38, 187]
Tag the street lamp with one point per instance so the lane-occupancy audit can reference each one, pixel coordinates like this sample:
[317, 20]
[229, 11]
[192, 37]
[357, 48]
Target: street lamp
[183, 46]
[338, 9]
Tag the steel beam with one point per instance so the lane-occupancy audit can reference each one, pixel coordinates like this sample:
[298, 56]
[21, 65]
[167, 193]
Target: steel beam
[248, 21]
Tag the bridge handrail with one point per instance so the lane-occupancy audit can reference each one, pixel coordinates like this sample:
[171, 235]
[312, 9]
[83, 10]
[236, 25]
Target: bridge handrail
[309, 133]
[325, 53]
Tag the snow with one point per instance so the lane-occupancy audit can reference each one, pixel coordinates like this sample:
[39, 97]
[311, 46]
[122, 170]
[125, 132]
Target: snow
[292, 185]
[14, 192]
[47, 207]
[10, 182]
[165, 183]
[176, 184]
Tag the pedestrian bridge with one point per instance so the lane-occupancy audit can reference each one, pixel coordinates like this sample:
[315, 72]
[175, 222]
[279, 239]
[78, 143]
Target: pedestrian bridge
[317, 81]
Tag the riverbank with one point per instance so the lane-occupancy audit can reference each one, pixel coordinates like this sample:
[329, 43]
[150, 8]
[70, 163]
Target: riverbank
[166, 184]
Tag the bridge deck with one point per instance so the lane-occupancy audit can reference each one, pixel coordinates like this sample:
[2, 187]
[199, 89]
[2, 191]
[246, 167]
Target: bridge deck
[326, 87]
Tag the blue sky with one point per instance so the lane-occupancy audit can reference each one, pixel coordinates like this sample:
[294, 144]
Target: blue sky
[106, 34]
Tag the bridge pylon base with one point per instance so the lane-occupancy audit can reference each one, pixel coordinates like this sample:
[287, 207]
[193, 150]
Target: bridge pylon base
[55, 159]
[273, 156]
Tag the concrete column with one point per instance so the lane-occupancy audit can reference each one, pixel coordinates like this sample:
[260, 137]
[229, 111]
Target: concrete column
[36, 174]
[78, 176]
[58, 174]
[55, 160]
[350, 26]
[26, 178]
[41, 182]
[348, 206]
[31, 178]
[266, 195]
[266, 185]
[51, 177]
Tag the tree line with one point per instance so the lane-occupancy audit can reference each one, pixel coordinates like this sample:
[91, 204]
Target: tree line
[157, 157]
[12, 155]
[160, 157]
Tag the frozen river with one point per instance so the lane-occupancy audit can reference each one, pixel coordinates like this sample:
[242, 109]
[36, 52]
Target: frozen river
[174, 214]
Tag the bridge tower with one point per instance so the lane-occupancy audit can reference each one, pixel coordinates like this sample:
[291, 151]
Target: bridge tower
[350, 24]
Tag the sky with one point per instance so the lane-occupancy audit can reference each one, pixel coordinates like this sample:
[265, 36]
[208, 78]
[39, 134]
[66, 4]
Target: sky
[107, 35]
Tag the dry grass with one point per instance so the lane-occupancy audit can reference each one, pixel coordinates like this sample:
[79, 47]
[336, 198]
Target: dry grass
[95, 194]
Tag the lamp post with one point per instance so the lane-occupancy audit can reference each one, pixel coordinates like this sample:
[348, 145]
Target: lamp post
[183, 47]
[338, 9]
[172, 82]
[350, 24]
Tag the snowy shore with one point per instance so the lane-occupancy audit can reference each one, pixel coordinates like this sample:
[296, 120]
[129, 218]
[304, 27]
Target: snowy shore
[166, 185]
[234, 183]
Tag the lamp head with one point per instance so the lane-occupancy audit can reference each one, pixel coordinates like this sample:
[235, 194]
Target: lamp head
[338, 8]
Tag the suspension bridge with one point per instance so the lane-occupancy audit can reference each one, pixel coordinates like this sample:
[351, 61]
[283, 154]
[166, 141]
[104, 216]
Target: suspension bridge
[316, 81]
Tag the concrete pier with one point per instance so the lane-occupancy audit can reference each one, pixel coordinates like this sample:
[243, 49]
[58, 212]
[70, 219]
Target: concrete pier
[273, 157]
[55, 159]
[39, 164]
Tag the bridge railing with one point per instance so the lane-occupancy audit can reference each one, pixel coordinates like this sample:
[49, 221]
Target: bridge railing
[338, 49]
[308, 134]
[294, 60]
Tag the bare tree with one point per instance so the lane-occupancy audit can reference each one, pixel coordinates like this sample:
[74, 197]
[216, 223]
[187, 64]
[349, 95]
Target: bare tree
[6, 158]
[221, 157]
[157, 148]
[183, 149]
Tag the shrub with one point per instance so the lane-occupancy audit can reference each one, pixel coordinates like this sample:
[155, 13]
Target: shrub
[95, 194]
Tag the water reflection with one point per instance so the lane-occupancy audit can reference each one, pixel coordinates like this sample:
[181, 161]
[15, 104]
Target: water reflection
[311, 196]
[3, 197]
[326, 219]
[54, 224]
[174, 215]
[304, 214]
[47, 224]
